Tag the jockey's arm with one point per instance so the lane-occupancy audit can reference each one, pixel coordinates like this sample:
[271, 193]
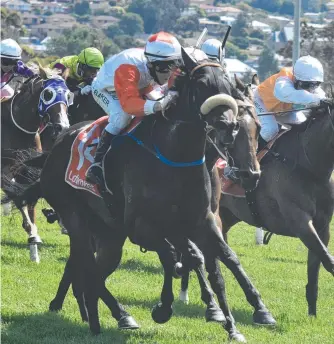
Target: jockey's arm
[285, 92]
[23, 70]
[126, 87]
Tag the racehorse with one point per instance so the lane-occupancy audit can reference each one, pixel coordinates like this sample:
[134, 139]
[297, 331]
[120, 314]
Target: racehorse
[43, 98]
[294, 196]
[158, 201]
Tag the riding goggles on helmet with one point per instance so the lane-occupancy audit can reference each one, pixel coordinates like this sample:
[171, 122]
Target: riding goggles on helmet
[309, 85]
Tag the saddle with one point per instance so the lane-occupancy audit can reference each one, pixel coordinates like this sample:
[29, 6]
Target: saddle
[83, 151]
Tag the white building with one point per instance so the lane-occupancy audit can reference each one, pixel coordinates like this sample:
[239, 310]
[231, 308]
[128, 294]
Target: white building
[235, 66]
[256, 25]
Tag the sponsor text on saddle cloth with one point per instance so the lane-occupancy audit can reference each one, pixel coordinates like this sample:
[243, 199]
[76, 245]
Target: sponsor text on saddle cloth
[83, 151]
[234, 189]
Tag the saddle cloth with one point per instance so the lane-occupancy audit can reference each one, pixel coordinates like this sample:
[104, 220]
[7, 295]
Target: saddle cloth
[228, 187]
[83, 152]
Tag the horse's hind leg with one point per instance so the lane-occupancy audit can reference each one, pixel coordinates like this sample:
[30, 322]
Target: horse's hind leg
[108, 257]
[57, 303]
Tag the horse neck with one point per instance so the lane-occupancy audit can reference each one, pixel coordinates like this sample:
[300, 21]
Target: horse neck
[317, 144]
[25, 112]
[180, 141]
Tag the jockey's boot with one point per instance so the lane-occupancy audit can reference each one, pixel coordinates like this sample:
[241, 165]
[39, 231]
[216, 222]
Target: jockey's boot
[95, 172]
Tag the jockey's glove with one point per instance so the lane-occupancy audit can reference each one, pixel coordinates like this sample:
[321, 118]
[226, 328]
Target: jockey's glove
[86, 90]
[165, 101]
[327, 102]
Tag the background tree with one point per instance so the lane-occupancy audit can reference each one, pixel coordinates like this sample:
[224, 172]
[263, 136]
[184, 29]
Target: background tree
[187, 24]
[11, 24]
[287, 7]
[131, 23]
[268, 64]
[240, 26]
[113, 30]
[82, 8]
[158, 14]
[267, 5]
[72, 41]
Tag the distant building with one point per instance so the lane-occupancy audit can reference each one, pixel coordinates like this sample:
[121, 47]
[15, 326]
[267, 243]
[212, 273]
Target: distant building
[212, 26]
[16, 5]
[256, 25]
[227, 20]
[29, 19]
[330, 13]
[102, 22]
[224, 11]
[51, 30]
[235, 66]
[279, 39]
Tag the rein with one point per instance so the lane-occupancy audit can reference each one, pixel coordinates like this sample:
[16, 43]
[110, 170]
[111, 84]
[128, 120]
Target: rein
[14, 121]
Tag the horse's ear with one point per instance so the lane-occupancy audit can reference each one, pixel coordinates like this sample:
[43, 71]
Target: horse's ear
[188, 62]
[249, 92]
[255, 80]
[239, 84]
[42, 72]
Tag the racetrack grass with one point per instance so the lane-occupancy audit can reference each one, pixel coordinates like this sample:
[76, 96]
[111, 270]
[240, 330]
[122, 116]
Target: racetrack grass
[278, 271]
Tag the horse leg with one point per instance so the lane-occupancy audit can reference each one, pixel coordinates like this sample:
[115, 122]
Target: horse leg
[313, 266]
[213, 243]
[86, 282]
[183, 296]
[108, 257]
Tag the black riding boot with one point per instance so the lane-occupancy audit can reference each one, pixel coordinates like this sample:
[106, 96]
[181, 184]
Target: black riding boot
[95, 173]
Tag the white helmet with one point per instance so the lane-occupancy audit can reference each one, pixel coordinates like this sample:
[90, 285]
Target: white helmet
[162, 46]
[10, 49]
[308, 68]
[213, 48]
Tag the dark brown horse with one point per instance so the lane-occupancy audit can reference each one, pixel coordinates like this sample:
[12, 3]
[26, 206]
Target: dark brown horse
[294, 196]
[161, 201]
[20, 121]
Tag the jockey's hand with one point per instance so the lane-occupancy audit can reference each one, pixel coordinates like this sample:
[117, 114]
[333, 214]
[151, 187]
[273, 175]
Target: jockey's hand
[86, 90]
[165, 101]
[327, 102]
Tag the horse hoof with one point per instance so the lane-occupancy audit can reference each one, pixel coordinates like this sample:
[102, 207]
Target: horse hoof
[178, 270]
[54, 306]
[36, 239]
[263, 318]
[161, 314]
[215, 314]
[127, 322]
[184, 296]
[238, 337]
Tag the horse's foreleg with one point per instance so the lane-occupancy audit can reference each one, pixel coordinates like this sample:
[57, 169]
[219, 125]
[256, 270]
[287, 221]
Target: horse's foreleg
[183, 296]
[215, 242]
[313, 266]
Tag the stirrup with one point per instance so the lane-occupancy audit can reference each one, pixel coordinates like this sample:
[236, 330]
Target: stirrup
[94, 177]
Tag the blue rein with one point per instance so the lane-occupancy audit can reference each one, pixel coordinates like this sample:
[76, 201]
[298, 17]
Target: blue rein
[156, 152]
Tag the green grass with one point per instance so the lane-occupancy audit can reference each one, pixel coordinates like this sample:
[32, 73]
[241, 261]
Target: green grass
[278, 271]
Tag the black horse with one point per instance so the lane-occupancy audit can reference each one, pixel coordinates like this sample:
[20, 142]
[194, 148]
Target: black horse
[295, 195]
[156, 203]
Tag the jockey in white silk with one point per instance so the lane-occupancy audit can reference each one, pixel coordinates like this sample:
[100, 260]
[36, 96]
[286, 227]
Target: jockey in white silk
[213, 49]
[11, 66]
[291, 88]
[124, 83]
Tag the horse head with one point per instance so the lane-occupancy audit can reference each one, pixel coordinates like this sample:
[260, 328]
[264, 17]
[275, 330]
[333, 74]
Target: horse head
[232, 123]
[54, 100]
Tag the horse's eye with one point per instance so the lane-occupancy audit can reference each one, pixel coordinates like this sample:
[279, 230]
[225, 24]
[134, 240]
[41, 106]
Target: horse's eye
[47, 95]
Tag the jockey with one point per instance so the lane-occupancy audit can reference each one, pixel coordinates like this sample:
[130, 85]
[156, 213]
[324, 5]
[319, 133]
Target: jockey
[81, 68]
[213, 49]
[291, 88]
[11, 66]
[123, 82]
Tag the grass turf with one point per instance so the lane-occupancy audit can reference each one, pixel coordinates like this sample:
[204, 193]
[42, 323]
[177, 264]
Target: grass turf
[277, 270]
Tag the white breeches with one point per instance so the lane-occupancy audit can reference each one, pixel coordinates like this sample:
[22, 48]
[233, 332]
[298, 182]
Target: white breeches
[118, 119]
[270, 123]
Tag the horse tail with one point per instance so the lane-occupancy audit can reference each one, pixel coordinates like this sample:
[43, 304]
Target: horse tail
[22, 196]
